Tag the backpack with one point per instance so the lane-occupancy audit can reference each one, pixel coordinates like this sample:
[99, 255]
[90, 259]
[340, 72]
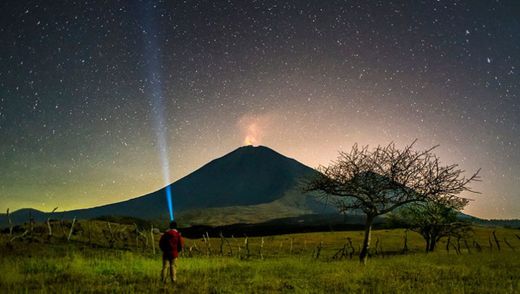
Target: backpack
[164, 242]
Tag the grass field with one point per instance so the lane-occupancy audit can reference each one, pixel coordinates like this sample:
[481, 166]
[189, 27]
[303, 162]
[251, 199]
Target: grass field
[77, 266]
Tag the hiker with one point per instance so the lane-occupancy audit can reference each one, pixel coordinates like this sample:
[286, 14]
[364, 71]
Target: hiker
[171, 244]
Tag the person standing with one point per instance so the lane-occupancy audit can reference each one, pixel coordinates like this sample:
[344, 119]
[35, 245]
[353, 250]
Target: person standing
[171, 243]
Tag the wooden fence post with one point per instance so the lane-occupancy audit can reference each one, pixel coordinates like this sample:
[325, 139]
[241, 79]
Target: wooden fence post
[152, 237]
[246, 245]
[239, 249]
[496, 240]
[230, 248]
[261, 248]
[209, 244]
[71, 229]
[221, 244]
[89, 227]
[318, 249]
[10, 224]
[136, 231]
[143, 235]
[49, 227]
[206, 240]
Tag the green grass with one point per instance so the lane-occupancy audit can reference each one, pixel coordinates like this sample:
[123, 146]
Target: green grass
[63, 267]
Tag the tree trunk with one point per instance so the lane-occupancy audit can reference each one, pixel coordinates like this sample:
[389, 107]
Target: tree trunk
[427, 239]
[363, 255]
[433, 242]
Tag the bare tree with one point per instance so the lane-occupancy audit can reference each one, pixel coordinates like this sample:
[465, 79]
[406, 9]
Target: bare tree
[433, 221]
[380, 180]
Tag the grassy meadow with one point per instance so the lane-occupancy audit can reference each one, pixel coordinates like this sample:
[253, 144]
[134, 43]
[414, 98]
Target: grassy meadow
[92, 262]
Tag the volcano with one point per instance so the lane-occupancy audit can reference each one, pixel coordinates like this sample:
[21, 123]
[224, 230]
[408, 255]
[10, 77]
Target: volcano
[247, 185]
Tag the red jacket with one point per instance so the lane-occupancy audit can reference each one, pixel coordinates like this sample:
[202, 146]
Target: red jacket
[171, 244]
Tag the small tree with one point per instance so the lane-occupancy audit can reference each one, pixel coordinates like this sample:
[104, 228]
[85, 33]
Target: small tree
[433, 221]
[377, 182]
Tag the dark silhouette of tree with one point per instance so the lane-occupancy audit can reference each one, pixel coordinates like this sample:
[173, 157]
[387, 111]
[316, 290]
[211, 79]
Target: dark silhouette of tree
[433, 221]
[380, 180]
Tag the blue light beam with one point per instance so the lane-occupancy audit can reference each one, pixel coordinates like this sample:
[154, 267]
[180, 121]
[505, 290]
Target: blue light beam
[158, 104]
[169, 200]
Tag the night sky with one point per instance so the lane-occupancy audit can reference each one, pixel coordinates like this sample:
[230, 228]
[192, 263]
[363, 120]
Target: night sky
[100, 100]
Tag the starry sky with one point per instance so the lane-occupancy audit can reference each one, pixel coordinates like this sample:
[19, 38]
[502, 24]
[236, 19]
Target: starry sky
[99, 98]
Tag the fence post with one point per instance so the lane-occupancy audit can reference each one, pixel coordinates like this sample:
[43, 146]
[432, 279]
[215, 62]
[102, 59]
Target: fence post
[496, 240]
[10, 224]
[49, 227]
[229, 246]
[208, 244]
[71, 229]
[318, 250]
[136, 231]
[261, 248]
[145, 240]
[246, 245]
[152, 238]
[89, 227]
[239, 250]
[221, 244]
[205, 243]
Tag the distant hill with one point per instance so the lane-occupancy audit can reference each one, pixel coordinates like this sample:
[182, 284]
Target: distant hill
[506, 223]
[248, 185]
